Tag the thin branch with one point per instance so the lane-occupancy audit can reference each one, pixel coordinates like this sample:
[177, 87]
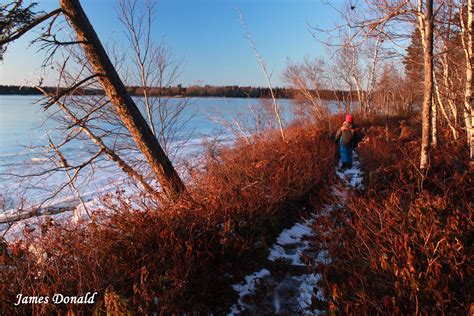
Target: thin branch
[28, 27]
[265, 72]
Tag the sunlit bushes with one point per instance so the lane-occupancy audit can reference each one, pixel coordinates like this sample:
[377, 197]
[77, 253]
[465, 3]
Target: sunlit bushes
[176, 259]
[404, 245]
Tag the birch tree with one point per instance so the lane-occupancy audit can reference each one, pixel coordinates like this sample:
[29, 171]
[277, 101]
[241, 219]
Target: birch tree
[444, 89]
[467, 42]
[426, 25]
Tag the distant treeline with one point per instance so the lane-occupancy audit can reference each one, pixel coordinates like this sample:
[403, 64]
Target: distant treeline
[191, 91]
[24, 90]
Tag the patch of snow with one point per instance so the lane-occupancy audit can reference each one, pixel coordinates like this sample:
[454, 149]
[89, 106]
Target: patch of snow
[352, 176]
[38, 159]
[276, 301]
[323, 257]
[15, 232]
[306, 289]
[247, 288]
[292, 236]
[320, 295]
[234, 310]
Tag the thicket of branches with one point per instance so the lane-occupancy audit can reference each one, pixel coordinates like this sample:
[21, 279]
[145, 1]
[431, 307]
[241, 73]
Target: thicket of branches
[432, 39]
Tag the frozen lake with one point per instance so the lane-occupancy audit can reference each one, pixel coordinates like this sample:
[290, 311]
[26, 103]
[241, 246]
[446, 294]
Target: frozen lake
[25, 129]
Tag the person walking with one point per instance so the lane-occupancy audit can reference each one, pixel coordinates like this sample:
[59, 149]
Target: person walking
[348, 138]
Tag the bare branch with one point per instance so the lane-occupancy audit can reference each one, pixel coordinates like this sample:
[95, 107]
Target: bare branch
[26, 28]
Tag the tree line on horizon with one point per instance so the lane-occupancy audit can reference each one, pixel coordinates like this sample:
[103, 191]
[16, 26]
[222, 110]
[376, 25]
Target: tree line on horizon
[183, 91]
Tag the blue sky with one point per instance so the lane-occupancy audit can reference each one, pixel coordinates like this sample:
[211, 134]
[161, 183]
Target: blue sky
[207, 34]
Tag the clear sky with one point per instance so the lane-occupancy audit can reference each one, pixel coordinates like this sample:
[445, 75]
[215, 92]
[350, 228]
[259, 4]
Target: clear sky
[207, 34]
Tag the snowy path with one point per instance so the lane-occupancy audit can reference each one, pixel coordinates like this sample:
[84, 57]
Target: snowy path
[286, 286]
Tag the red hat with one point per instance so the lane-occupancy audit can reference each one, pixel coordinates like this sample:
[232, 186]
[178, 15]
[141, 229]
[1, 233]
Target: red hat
[349, 118]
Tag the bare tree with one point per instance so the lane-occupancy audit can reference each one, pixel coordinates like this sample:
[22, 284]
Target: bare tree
[308, 81]
[361, 64]
[357, 52]
[393, 94]
[444, 88]
[155, 68]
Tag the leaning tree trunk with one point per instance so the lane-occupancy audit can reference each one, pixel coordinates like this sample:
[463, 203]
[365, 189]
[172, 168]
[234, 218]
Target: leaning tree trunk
[127, 110]
[428, 93]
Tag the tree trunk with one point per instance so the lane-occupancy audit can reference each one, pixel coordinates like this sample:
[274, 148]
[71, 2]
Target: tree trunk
[428, 93]
[469, 97]
[443, 110]
[127, 110]
[448, 87]
[434, 124]
[111, 154]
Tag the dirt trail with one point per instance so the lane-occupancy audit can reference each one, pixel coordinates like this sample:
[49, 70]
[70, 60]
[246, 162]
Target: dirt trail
[286, 285]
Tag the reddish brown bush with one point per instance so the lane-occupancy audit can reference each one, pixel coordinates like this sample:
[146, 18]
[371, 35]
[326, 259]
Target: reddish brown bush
[404, 245]
[175, 259]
